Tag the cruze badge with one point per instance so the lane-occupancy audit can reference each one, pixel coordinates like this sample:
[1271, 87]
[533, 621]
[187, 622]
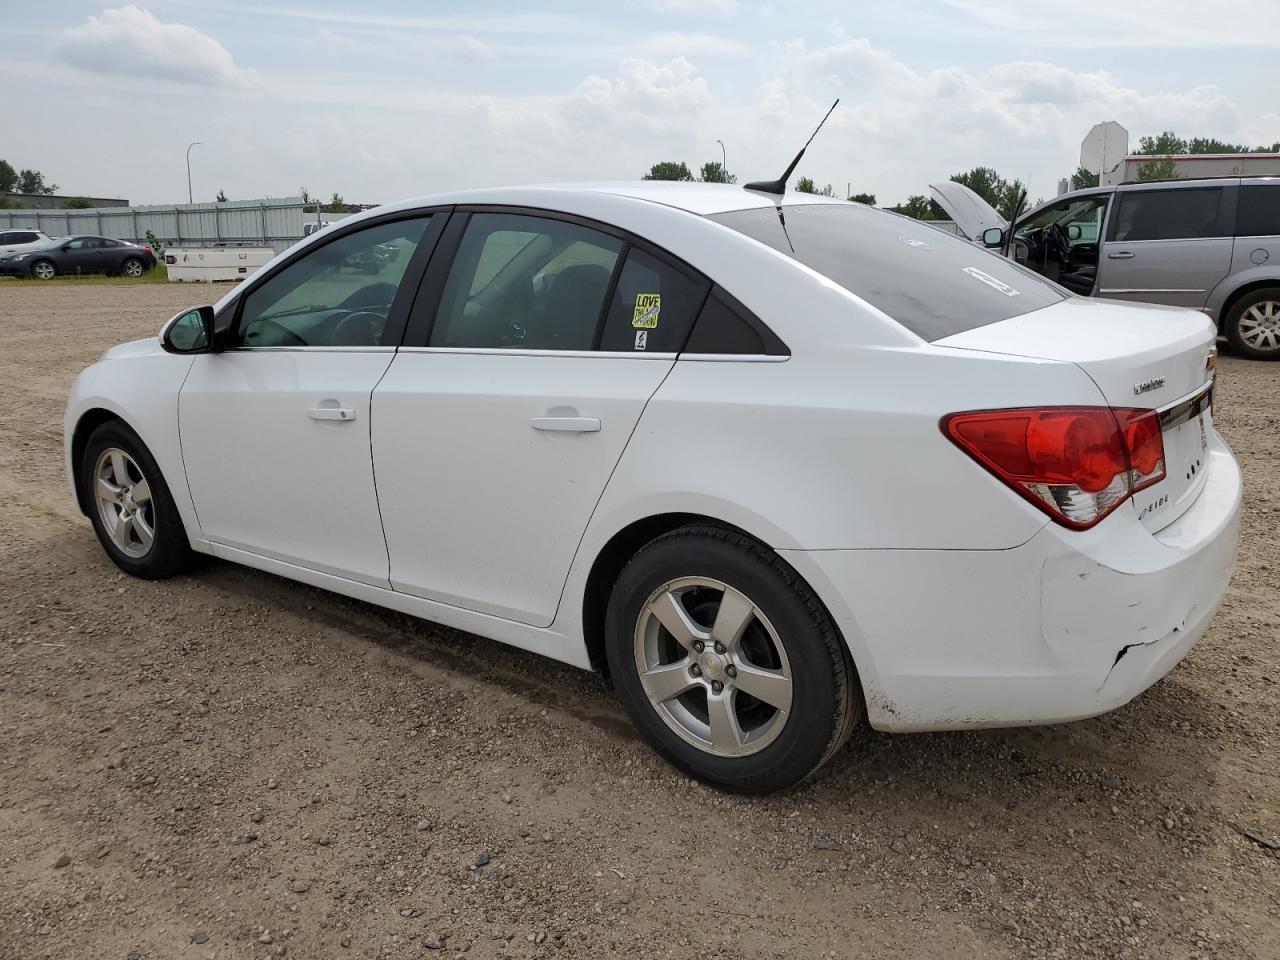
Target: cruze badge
[991, 281]
[1146, 386]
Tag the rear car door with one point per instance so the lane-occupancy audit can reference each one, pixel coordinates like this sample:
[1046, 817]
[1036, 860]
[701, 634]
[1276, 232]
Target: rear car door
[275, 428]
[534, 346]
[1168, 244]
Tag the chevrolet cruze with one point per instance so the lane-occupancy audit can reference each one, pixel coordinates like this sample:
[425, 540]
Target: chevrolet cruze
[779, 466]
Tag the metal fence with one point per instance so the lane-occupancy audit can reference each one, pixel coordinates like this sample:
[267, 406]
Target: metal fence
[275, 223]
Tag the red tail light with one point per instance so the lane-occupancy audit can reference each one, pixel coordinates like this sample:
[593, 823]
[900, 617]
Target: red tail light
[1077, 464]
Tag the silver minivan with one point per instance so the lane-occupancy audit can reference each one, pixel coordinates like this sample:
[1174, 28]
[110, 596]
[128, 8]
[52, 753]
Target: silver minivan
[1209, 244]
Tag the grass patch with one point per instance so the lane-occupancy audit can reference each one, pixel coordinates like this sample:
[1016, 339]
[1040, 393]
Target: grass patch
[157, 274]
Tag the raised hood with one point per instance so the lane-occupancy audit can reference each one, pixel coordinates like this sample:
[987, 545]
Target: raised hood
[971, 213]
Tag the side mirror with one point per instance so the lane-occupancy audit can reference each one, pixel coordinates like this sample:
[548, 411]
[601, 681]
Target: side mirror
[65, 247]
[189, 332]
[992, 237]
[1073, 232]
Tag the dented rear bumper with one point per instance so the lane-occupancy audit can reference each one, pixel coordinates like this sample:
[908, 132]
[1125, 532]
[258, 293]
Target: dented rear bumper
[1068, 625]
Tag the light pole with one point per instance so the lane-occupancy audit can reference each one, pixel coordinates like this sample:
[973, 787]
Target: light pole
[724, 163]
[194, 143]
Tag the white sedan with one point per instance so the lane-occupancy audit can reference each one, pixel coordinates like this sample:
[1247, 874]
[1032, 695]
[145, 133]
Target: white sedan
[777, 468]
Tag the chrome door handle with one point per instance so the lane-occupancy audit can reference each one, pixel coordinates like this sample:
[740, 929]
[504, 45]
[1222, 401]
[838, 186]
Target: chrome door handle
[566, 424]
[331, 413]
[1122, 255]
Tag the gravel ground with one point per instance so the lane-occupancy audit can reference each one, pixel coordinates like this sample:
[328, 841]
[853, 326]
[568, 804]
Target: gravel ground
[233, 765]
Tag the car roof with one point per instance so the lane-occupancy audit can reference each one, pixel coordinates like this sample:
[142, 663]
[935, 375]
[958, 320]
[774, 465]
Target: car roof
[700, 198]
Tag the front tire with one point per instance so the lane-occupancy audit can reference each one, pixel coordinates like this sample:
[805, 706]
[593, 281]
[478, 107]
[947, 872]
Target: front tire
[727, 663]
[43, 270]
[130, 505]
[1253, 325]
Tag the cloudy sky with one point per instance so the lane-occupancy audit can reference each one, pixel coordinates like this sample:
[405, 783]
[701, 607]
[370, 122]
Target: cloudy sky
[388, 98]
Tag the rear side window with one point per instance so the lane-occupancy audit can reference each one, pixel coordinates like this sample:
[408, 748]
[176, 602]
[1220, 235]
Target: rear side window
[933, 284]
[525, 282]
[1186, 214]
[1258, 212]
[727, 327]
[652, 308]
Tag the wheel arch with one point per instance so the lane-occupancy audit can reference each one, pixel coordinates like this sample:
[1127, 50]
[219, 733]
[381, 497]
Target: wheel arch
[626, 542]
[88, 422]
[1239, 293]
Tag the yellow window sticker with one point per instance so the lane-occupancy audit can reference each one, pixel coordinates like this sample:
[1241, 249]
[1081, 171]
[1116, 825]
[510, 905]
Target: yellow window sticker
[648, 306]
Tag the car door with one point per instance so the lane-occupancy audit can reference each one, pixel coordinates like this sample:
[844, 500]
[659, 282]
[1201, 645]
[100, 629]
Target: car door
[533, 349]
[275, 427]
[81, 255]
[1168, 244]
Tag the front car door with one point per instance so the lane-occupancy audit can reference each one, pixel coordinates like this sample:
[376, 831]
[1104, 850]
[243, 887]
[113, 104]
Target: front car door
[275, 428]
[81, 255]
[1169, 243]
[535, 345]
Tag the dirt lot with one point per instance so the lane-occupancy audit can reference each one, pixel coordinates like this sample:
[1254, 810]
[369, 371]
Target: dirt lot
[233, 765]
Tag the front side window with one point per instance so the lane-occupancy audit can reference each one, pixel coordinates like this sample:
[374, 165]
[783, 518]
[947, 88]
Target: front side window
[525, 282]
[1179, 214]
[85, 243]
[1085, 214]
[336, 295]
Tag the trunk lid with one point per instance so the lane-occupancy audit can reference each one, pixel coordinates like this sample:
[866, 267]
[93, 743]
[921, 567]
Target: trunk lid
[970, 212]
[1140, 356]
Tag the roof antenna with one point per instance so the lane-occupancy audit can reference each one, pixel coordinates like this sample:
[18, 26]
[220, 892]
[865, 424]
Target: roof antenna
[779, 187]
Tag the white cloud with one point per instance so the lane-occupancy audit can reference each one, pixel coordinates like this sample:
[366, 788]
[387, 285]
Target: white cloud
[1107, 23]
[130, 42]
[719, 8]
[675, 44]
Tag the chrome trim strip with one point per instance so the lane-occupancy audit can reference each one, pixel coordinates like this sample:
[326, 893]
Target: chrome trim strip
[1123, 243]
[310, 350]
[1181, 411]
[514, 352]
[732, 358]
[1149, 290]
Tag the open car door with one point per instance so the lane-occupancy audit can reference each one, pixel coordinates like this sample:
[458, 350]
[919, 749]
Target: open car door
[970, 212]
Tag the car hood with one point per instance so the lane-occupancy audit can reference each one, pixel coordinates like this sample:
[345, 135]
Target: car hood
[134, 348]
[970, 212]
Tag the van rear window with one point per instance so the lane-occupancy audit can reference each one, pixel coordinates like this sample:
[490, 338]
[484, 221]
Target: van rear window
[932, 283]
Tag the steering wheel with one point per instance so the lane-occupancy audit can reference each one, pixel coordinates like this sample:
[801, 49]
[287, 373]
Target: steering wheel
[287, 337]
[360, 328]
[1061, 244]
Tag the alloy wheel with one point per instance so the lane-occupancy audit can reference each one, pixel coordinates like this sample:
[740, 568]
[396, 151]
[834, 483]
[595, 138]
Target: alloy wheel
[133, 268]
[44, 270]
[1259, 326]
[713, 667]
[123, 496]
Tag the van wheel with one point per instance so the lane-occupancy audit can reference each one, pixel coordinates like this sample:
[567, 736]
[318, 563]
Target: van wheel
[1253, 325]
[727, 663]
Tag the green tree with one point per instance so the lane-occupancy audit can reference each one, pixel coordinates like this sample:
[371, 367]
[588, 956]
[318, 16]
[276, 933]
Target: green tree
[8, 176]
[1162, 169]
[221, 197]
[154, 243]
[308, 201]
[1082, 179]
[669, 170]
[1164, 144]
[77, 203]
[6, 203]
[806, 185]
[868, 198]
[336, 204]
[985, 182]
[713, 172]
[917, 206]
[32, 181]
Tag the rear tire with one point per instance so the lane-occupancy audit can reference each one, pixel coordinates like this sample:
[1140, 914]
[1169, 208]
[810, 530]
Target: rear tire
[133, 267]
[753, 689]
[1253, 325]
[44, 270]
[130, 505]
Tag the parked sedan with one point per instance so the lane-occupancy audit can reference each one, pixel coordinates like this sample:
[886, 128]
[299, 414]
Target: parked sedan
[78, 255]
[776, 480]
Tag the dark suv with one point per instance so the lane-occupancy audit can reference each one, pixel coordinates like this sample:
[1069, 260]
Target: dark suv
[1209, 244]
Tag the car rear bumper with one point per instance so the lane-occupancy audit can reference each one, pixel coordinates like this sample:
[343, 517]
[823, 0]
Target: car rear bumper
[1067, 625]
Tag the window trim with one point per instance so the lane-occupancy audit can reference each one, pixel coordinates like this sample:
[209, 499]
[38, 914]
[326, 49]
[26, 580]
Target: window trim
[397, 315]
[427, 303]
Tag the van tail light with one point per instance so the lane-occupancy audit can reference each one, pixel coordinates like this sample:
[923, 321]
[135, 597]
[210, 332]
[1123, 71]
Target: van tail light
[1077, 464]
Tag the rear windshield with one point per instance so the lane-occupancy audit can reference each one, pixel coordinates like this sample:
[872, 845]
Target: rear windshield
[932, 283]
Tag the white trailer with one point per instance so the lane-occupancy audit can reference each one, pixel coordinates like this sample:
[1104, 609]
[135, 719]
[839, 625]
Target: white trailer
[207, 264]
